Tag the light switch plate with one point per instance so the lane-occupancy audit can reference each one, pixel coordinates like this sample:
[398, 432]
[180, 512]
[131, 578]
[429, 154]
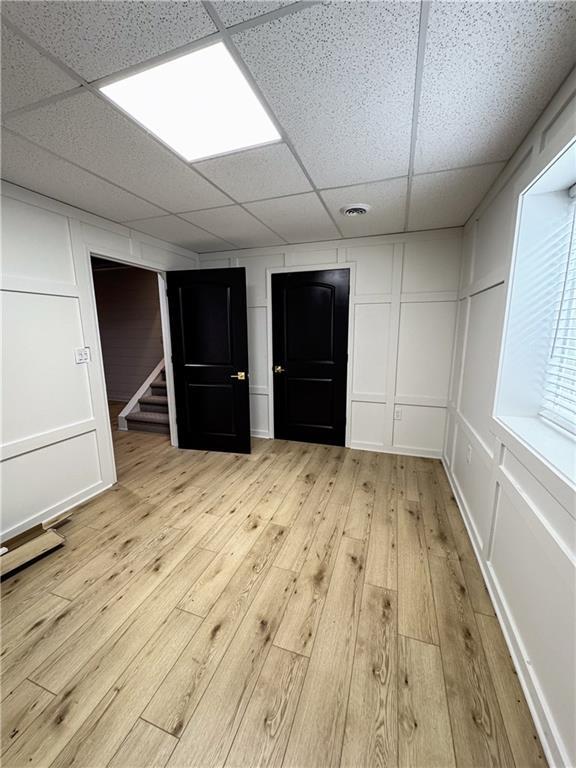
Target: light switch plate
[398, 413]
[82, 355]
[469, 454]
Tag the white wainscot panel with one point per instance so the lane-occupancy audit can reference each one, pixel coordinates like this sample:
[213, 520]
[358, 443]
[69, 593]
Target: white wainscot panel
[258, 346]
[473, 472]
[421, 428]
[371, 333]
[46, 389]
[41, 481]
[373, 268]
[368, 425]
[256, 275]
[481, 359]
[431, 265]
[167, 259]
[537, 581]
[449, 437]
[495, 233]
[209, 263]
[259, 415]
[35, 244]
[305, 258]
[425, 349]
[461, 312]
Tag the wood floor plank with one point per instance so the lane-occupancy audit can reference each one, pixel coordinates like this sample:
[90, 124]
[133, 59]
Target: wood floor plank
[207, 738]
[371, 733]
[522, 735]
[288, 510]
[318, 729]
[382, 558]
[111, 721]
[362, 501]
[263, 733]
[176, 699]
[300, 623]
[436, 525]
[477, 727]
[65, 714]
[19, 710]
[145, 747]
[416, 615]
[425, 737]
[30, 551]
[477, 590]
[407, 479]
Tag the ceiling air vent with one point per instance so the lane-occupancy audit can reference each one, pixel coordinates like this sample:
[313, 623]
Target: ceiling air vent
[357, 209]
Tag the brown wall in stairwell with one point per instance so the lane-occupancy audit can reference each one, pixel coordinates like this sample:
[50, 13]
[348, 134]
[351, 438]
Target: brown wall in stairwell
[130, 326]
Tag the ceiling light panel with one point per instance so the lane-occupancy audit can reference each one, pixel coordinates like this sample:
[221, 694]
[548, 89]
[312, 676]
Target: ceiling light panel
[257, 173]
[96, 39]
[90, 132]
[199, 104]
[340, 79]
[490, 68]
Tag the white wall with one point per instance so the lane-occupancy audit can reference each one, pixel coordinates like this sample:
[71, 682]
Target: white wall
[56, 441]
[520, 513]
[403, 301]
[130, 327]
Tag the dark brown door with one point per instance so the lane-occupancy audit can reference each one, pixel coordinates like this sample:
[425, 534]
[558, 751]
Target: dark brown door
[310, 341]
[210, 358]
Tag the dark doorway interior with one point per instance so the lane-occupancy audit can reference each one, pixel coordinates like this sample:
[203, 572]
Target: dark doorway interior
[310, 352]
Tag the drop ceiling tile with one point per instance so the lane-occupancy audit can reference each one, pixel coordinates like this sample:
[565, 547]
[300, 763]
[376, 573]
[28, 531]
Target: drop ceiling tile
[175, 230]
[99, 38]
[87, 130]
[490, 68]
[234, 224]
[31, 167]
[387, 201]
[27, 76]
[298, 219]
[257, 174]
[340, 79]
[235, 11]
[448, 198]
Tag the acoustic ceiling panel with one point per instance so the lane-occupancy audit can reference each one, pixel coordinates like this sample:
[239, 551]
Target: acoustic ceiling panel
[298, 219]
[490, 68]
[448, 198]
[233, 12]
[340, 79]
[27, 76]
[31, 167]
[235, 225]
[256, 174]
[387, 201]
[87, 130]
[183, 233]
[98, 38]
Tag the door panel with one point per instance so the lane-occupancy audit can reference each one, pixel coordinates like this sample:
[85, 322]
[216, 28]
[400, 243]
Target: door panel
[310, 340]
[209, 349]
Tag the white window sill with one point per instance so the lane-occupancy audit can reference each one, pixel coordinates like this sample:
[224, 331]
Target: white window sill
[550, 443]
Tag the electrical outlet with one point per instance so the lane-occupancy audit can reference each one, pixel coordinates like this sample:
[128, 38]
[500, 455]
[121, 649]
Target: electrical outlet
[398, 413]
[468, 454]
[82, 355]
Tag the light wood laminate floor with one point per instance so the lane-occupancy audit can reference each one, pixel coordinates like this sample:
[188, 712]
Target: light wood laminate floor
[302, 606]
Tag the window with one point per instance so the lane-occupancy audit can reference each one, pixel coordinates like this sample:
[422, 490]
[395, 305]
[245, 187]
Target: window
[536, 397]
[559, 400]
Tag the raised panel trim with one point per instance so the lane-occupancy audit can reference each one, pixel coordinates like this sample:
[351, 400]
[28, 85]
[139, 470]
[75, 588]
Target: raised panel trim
[368, 397]
[427, 296]
[431, 402]
[44, 439]
[44, 287]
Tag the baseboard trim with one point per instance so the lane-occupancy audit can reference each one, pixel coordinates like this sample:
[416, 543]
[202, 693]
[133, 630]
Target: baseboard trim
[551, 742]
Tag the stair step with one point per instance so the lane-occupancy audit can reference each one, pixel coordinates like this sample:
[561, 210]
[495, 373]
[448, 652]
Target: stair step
[154, 404]
[148, 421]
[158, 387]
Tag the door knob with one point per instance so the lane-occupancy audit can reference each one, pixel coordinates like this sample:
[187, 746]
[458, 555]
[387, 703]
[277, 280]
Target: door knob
[241, 376]
[278, 369]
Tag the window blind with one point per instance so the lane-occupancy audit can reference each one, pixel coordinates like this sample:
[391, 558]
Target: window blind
[559, 396]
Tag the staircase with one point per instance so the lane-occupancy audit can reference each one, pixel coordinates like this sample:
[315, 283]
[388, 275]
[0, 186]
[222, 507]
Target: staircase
[150, 413]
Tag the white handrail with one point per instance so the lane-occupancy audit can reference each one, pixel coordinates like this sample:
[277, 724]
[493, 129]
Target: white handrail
[133, 402]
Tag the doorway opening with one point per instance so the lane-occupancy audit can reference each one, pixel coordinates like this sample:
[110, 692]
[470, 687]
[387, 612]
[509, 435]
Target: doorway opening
[130, 329]
[310, 318]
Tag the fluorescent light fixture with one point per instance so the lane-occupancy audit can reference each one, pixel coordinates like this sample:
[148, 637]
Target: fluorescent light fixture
[199, 104]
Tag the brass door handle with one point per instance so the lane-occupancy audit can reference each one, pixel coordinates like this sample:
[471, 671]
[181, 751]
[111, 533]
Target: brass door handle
[241, 376]
[278, 369]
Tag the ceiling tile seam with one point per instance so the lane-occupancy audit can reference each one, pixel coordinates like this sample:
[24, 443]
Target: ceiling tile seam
[278, 13]
[264, 101]
[127, 222]
[45, 53]
[229, 241]
[89, 172]
[421, 50]
[46, 101]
